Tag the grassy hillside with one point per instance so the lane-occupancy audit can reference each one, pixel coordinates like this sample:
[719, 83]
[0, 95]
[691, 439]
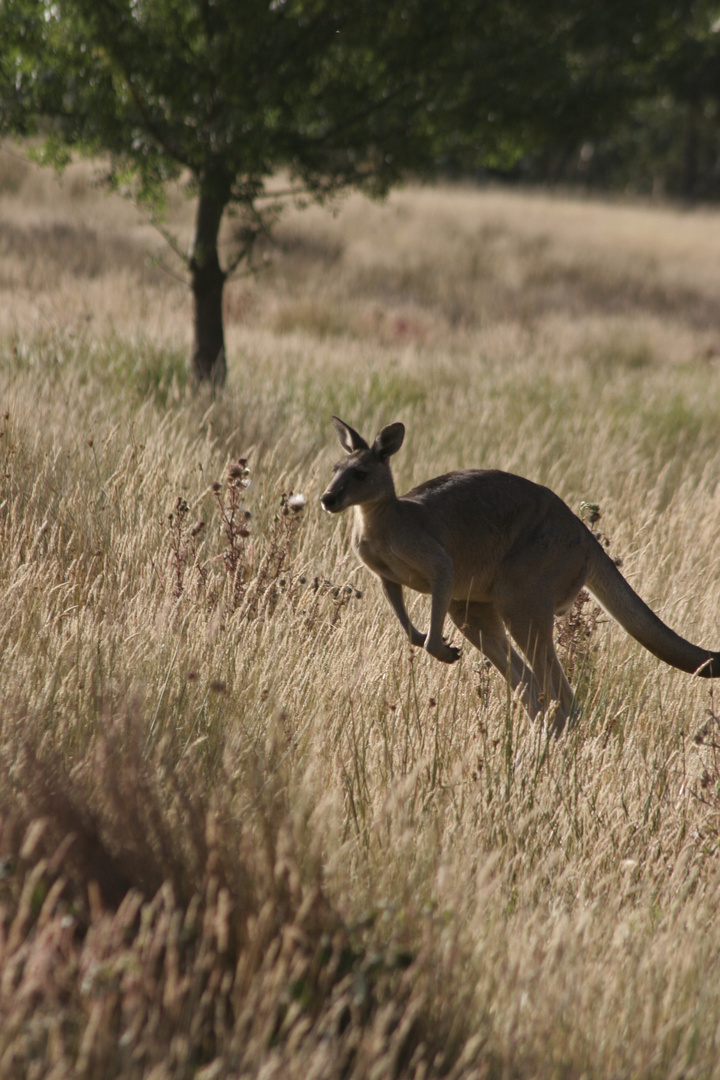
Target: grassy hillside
[245, 830]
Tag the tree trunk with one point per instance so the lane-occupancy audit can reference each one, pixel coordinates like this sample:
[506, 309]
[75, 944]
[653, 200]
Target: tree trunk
[207, 364]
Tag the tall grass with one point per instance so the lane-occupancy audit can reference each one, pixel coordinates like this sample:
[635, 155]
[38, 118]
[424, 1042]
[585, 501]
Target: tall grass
[245, 830]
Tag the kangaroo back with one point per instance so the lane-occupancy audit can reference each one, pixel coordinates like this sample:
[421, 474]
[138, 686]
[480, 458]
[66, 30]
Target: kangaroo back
[620, 600]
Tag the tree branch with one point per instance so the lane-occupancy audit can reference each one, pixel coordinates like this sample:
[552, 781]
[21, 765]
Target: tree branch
[363, 114]
[286, 193]
[169, 239]
[171, 150]
[157, 261]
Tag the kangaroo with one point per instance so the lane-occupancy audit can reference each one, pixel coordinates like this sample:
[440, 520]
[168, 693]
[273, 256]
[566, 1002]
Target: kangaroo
[496, 553]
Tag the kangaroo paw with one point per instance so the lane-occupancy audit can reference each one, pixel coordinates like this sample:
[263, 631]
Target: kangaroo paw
[448, 654]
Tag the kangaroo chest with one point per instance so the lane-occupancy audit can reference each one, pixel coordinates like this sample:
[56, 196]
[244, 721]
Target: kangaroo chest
[387, 563]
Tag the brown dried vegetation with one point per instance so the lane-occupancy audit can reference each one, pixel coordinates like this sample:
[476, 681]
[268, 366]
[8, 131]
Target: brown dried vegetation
[245, 830]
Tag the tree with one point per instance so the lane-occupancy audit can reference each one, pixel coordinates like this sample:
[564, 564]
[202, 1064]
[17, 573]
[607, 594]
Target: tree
[335, 93]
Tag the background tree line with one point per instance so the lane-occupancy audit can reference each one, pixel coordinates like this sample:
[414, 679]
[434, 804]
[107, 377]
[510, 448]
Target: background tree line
[666, 141]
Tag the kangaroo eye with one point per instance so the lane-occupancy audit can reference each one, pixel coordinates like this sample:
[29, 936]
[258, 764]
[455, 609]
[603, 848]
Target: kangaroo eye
[361, 474]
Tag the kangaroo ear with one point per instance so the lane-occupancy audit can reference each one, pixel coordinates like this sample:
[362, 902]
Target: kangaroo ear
[389, 441]
[349, 438]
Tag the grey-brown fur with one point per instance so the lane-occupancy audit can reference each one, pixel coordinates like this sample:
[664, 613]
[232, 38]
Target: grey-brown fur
[497, 553]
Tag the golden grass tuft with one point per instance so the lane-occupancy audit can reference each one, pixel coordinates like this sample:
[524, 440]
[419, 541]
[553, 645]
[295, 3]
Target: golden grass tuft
[244, 829]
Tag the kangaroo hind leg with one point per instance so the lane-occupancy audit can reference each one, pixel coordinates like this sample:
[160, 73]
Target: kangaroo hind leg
[534, 635]
[483, 627]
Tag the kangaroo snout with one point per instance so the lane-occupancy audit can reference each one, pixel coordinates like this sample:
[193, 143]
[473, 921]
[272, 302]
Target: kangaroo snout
[330, 502]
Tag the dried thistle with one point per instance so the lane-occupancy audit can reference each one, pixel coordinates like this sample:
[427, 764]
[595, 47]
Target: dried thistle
[273, 573]
[183, 546]
[577, 627]
[234, 518]
[341, 595]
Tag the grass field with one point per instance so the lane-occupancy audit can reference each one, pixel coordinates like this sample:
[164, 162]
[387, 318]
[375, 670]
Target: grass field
[245, 830]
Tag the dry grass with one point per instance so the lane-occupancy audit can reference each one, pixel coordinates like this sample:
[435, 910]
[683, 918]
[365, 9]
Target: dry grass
[245, 830]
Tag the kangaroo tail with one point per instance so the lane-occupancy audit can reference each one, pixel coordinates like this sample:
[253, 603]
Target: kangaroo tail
[612, 591]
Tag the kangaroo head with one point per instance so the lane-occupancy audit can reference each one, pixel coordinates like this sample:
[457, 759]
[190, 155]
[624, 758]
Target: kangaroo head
[364, 475]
